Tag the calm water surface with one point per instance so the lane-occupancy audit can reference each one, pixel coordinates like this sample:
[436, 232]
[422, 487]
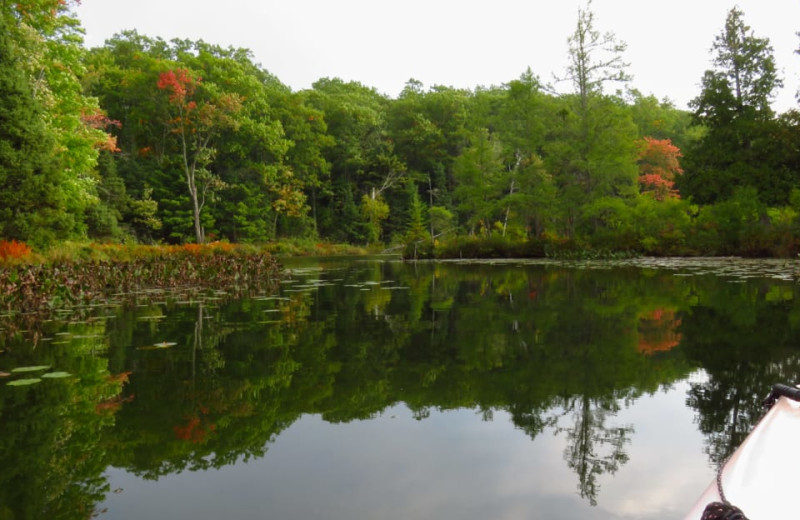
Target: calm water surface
[376, 389]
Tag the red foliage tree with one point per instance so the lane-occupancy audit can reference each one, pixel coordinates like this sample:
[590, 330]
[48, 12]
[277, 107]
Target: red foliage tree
[180, 84]
[197, 115]
[659, 165]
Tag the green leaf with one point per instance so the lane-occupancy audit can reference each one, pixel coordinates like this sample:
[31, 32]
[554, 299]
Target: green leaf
[36, 368]
[24, 382]
[56, 375]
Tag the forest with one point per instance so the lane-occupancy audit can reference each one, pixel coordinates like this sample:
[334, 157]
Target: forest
[150, 141]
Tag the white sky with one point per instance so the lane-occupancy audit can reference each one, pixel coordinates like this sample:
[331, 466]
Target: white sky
[459, 43]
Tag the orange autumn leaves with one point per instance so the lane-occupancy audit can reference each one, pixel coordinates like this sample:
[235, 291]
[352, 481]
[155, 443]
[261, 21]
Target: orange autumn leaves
[13, 250]
[112, 404]
[182, 85]
[658, 331]
[659, 165]
[196, 428]
[98, 120]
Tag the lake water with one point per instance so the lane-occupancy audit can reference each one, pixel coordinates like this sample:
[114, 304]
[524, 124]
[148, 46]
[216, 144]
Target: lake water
[370, 388]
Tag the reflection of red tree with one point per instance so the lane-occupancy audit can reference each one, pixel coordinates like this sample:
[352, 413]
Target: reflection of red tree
[196, 429]
[122, 377]
[113, 404]
[658, 331]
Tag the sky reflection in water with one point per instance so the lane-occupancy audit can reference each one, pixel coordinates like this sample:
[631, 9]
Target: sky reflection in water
[451, 465]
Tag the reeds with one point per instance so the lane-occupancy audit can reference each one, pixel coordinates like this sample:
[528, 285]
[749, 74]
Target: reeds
[100, 272]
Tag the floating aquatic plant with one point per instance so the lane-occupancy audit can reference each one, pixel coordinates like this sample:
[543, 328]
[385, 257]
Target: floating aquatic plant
[24, 382]
[61, 284]
[37, 368]
[56, 375]
[157, 346]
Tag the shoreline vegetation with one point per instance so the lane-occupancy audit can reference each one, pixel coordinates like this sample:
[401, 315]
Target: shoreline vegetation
[80, 280]
[75, 279]
[78, 275]
[74, 274]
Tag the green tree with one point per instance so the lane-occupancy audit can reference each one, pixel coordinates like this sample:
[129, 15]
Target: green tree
[591, 152]
[196, 120]
[235, 118]
[374, 210]
[591, 158]
[48, 122]
[521, 123]
[32, 198]
[362, 157]
[661, 119]
[440, 221]
[745, 65]
[416, 236]
[734, 108]
[263, 185]
[478, 172]
[307, 132]
[123, 74]
[430, 129]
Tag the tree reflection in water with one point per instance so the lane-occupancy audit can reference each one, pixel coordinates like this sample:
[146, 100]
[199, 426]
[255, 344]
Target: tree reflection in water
[558, 348]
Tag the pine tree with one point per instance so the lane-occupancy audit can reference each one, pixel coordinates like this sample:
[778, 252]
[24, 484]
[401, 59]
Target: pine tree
[734, 108]
[32, 205]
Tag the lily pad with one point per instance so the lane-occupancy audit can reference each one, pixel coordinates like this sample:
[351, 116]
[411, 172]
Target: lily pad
[24, 382]
[37, 368]
[56, 375]
[157, 346]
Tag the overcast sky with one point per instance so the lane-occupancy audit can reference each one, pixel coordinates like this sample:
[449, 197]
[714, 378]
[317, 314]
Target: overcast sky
[459, 43]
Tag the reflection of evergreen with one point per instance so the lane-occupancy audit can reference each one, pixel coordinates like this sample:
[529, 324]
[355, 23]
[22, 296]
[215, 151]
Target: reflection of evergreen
[746, 340]
[594, 448]
[52, 446]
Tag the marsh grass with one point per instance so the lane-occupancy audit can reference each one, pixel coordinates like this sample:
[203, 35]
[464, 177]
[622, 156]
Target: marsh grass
[81, 274]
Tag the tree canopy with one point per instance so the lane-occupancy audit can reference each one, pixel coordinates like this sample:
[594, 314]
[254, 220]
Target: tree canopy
[149, 140]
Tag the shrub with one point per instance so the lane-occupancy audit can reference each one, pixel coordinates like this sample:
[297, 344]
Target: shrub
[13, 250]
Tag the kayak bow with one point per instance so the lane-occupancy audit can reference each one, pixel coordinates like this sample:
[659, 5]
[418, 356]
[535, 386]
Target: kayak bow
[760, 477]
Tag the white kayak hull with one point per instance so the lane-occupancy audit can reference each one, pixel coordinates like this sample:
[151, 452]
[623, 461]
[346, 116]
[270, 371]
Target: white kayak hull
[761, 476]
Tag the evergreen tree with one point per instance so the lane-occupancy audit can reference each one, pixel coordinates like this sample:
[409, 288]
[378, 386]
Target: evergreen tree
[734, 108]
[591, 150]
[32, 203]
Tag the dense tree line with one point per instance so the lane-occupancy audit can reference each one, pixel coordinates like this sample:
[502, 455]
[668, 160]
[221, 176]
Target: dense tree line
[173, 141]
